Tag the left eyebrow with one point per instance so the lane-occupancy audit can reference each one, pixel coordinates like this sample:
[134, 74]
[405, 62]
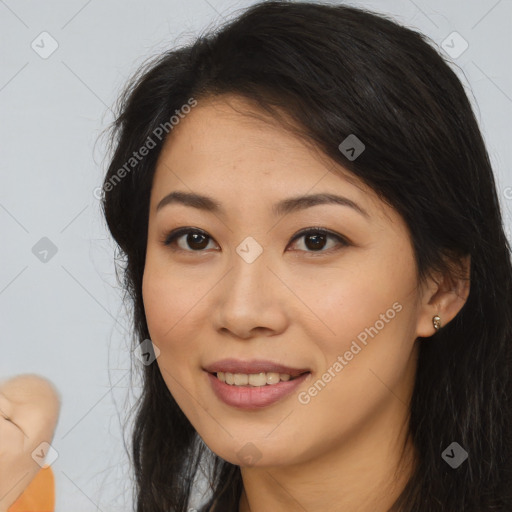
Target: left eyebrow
[302, 202]
[283, 207]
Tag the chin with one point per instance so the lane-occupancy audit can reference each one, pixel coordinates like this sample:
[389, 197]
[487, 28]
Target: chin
[255, 452]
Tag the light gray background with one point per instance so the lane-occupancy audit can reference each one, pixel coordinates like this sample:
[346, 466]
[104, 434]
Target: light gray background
[64, 318]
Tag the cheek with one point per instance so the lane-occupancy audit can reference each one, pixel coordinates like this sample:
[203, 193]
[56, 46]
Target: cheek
[165, 300]
[169, 308]
[172, 308]
[368, 317]
[349, 302]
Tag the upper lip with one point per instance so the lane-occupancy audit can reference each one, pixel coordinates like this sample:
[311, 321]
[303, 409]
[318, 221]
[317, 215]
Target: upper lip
[252, 366]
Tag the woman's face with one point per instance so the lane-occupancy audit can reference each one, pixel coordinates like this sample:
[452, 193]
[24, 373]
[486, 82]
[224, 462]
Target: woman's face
[246, 286]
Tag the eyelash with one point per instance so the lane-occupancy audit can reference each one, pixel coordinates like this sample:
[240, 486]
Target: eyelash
[171, 237]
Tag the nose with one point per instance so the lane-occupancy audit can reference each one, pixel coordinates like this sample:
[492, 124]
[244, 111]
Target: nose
[251, 300]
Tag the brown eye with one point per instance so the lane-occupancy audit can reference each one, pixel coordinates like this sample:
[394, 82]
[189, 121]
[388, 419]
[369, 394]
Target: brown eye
[315, 240]
[187, 239]
[196, 241]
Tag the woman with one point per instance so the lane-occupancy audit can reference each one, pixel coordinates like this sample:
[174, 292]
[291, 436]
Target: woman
[313, 244]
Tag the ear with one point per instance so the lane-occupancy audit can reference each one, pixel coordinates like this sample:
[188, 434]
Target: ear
[443, 295]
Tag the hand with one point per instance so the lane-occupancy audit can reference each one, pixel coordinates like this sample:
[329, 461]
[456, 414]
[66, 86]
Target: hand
[29, 410]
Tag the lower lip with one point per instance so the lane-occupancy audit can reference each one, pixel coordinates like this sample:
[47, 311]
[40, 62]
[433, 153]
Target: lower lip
[254, 397]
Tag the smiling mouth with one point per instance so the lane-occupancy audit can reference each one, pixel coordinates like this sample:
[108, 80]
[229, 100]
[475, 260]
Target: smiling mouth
[255, 379]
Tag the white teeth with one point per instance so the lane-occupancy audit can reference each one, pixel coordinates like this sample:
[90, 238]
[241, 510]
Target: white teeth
[253, 379]
[257, 379]
[241, 379]
[272, 378]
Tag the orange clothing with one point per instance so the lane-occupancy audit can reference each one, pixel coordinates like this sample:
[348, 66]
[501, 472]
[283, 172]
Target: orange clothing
[39, 496]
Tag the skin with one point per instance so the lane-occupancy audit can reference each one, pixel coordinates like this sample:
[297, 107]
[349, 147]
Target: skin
[294, 304]
[29, 410]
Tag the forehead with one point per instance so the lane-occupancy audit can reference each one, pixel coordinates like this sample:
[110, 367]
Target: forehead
[227, 143]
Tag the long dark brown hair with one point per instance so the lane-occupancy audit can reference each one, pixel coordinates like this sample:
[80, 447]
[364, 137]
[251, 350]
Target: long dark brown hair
[339, 70]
